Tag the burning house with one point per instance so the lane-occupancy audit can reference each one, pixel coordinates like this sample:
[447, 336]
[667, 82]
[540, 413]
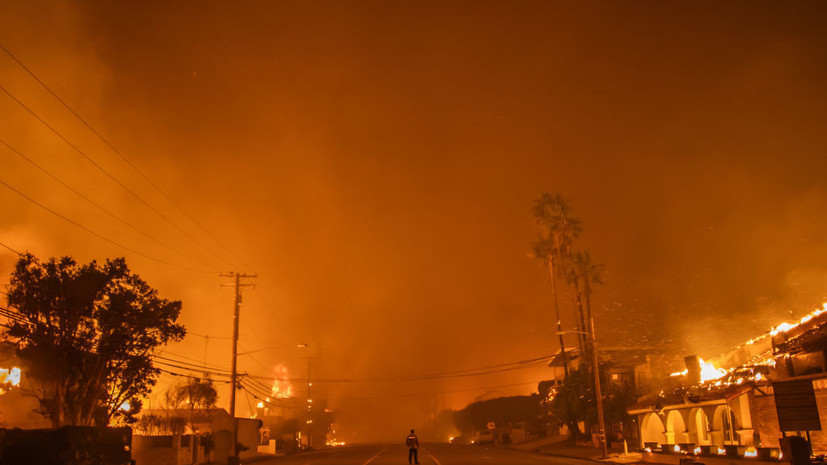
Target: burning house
[744, 402]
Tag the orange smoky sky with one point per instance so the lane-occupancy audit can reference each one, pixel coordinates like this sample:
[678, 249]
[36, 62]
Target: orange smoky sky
[375, 164]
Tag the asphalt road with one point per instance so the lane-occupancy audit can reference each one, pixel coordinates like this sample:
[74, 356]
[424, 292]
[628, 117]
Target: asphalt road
[429, 454]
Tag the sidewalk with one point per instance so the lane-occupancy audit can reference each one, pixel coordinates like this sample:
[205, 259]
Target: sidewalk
[559, 446]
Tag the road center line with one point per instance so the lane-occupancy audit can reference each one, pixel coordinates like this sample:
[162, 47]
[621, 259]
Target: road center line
[374, 457]
[431, 456]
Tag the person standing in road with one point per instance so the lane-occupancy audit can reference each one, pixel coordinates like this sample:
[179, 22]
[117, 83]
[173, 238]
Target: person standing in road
[413, 444]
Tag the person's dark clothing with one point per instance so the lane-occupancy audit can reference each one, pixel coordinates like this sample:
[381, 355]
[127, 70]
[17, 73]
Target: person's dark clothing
[413, 444]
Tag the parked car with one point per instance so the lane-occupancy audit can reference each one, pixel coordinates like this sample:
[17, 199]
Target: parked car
[483, 437]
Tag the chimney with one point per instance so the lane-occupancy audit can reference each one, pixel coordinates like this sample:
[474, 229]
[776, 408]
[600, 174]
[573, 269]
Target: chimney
[693, 369]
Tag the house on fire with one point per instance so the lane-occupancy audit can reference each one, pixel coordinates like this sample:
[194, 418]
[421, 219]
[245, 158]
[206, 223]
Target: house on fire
[743, 402]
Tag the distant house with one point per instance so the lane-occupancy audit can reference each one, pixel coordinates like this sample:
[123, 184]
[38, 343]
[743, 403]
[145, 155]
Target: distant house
[627, 367]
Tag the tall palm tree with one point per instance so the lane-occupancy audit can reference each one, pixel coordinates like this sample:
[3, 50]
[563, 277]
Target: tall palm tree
[560, 228]
[585, 271]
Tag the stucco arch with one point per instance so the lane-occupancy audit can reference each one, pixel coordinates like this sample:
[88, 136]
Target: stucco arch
[699, 427]
[724, 427]
[651, 429]
[675, 428]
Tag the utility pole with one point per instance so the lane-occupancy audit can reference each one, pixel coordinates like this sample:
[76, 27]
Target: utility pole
[309, 401]
[601, 435]
[233, 459]
[598, 395]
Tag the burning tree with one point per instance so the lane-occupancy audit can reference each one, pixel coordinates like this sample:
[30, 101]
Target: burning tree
[86, 334]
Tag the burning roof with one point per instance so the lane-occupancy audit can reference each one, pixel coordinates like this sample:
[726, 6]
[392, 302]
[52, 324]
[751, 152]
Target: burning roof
[754, 362]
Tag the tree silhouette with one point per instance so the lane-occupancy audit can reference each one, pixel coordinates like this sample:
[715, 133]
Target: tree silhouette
[560, 228]
[86, 335]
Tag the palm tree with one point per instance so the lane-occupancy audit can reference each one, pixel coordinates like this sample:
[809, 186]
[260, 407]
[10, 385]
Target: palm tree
[589, 273]
[560, 228]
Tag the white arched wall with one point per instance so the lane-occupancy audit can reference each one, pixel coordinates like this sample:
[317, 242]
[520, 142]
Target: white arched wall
[651, 429]
[699, 427]
[723, 428]
[676, 428]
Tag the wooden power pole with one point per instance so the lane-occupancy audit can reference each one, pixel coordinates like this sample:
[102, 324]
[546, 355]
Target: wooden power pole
[237, 285]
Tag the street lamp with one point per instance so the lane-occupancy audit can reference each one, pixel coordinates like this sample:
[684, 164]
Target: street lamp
[598, 395]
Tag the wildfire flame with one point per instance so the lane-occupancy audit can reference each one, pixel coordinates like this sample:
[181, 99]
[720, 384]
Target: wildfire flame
[9, 377]
[784, 327]
[709, 372]
[282, 388]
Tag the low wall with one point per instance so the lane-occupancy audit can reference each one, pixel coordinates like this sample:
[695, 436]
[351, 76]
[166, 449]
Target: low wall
[167, 450]
[675, 459]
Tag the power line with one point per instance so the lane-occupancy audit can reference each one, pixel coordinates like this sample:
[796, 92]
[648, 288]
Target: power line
[193, 359]
[203, 368]
[110, 175]
[9, 248]
[260, 385]
[254, 387]
[13, 315]
[97, 205]
[207, 336]
[186, 368]
[416, 394]
[173, 373]
[434, 376]
[247, 389]
[104, 238]
[118, 152]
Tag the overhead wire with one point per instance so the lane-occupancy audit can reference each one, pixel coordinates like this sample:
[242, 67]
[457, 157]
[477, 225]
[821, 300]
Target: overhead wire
[100, 236]
[110, 175]
[207, 335]
[265, 398]
[97, 205]
[190, 369]
[9, 248]
[416, 394]
[193, 366]
[193, 359]
[521, 364]
[264, 388]
[118, 152]
[183, 375]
